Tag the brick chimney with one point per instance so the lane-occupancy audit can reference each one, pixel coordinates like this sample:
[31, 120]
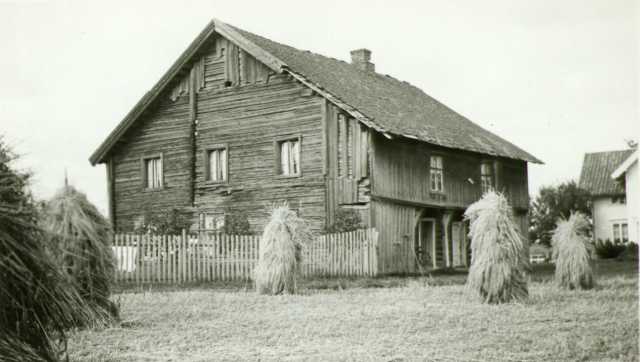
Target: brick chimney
[361, 59]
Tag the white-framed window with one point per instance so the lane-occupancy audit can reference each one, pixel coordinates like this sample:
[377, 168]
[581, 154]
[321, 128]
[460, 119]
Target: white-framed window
[289, 157]
[486, 177]
[436, 174]
[216, 164]
[152, 172]
[620, 232]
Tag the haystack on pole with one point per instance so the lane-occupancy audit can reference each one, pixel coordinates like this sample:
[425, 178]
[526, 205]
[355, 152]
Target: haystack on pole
[37, 304]
[281, 245]
[498, 263]
[80, 239]
[571, 253]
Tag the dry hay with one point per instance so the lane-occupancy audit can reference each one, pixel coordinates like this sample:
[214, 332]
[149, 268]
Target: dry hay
[80, 240]
[571, 253]
[37, 304]
[281, 245]
[498, 264]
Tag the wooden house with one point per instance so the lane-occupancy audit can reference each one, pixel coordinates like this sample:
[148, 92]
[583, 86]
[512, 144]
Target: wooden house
[240, 122]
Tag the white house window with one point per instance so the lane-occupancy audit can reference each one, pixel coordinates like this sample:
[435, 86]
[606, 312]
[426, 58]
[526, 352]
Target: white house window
[436, 174]
[486, 177]
[216, 164]
[289, 162]
[153, 172]
[620, 232]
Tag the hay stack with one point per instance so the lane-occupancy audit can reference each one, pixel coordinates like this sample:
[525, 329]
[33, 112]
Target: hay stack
[283, 239]
[498, 263]
[571, 253]
[80, 240]
[37, 304]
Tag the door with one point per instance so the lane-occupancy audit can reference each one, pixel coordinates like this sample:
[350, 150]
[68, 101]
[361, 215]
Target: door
[426, 246]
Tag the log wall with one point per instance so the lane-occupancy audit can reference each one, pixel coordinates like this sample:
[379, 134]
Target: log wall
[250, 120]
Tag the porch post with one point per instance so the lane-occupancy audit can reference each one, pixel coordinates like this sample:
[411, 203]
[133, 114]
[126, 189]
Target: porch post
[446, 220]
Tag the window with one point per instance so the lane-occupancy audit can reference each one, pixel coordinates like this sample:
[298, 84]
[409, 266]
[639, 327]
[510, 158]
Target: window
[153, 172]
[435, 173]
[216, 163]
[212, 222]
[289, 157]
[620, 232]
[486, 177]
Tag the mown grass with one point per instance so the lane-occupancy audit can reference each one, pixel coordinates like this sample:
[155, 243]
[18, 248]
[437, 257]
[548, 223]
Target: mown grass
[392, 318]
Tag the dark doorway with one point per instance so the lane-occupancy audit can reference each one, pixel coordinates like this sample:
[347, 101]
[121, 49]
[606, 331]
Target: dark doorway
[426, 247]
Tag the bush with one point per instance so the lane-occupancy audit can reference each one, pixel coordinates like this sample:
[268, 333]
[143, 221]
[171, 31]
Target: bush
[345, 220]
[236, 223]
[498, 261]
[170, 222]
[607, 249]
[283, 239]
[571, 253]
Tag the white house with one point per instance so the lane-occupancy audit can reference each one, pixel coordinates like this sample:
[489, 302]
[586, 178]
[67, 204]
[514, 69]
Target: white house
[610, 215]
[627, 174]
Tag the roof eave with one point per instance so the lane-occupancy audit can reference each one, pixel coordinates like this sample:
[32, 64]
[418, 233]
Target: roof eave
[622, 169]
[214, 25]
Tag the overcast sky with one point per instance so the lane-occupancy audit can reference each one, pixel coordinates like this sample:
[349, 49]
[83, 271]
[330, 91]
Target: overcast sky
[557, 78]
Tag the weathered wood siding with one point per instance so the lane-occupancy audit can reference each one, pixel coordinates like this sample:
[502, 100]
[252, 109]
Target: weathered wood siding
[347, 165]
[401, 172]
[396, 224]
[163, 129]
[223, 96]
[250, 120]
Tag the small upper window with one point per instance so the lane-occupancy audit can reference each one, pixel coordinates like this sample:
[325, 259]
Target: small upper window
[216, 164]
[486, 177]
[153, 172]
[436, 174]
[289, 151]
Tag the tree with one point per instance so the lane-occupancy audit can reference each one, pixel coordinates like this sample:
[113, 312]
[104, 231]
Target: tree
[554, 203]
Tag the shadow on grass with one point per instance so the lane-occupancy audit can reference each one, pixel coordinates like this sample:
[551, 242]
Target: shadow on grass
[540, 273]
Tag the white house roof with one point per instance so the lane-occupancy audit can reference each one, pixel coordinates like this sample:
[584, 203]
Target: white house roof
[624, 166]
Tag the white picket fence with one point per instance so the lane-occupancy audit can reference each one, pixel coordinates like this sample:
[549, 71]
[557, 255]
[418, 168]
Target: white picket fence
[189, 258]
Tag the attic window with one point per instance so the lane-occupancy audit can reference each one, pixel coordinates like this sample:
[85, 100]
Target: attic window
[486, 177]
[152, 172]
[216, 163]
[288, 152]
[436, 178]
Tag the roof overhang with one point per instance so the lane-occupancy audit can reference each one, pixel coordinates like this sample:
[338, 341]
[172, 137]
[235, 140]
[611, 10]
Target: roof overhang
[622, 169]
[271, 61]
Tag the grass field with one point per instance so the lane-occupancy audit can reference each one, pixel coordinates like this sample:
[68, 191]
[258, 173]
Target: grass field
[418, 318]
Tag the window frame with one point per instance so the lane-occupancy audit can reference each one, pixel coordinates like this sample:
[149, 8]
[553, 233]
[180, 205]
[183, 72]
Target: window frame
[278, 155]
[433, 170]
[617, 226]
[144, 175]
[207, 171]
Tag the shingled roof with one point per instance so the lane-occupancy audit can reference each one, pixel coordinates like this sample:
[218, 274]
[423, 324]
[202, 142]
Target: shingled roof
[597, 169]
[398, 107]
[388, 105]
